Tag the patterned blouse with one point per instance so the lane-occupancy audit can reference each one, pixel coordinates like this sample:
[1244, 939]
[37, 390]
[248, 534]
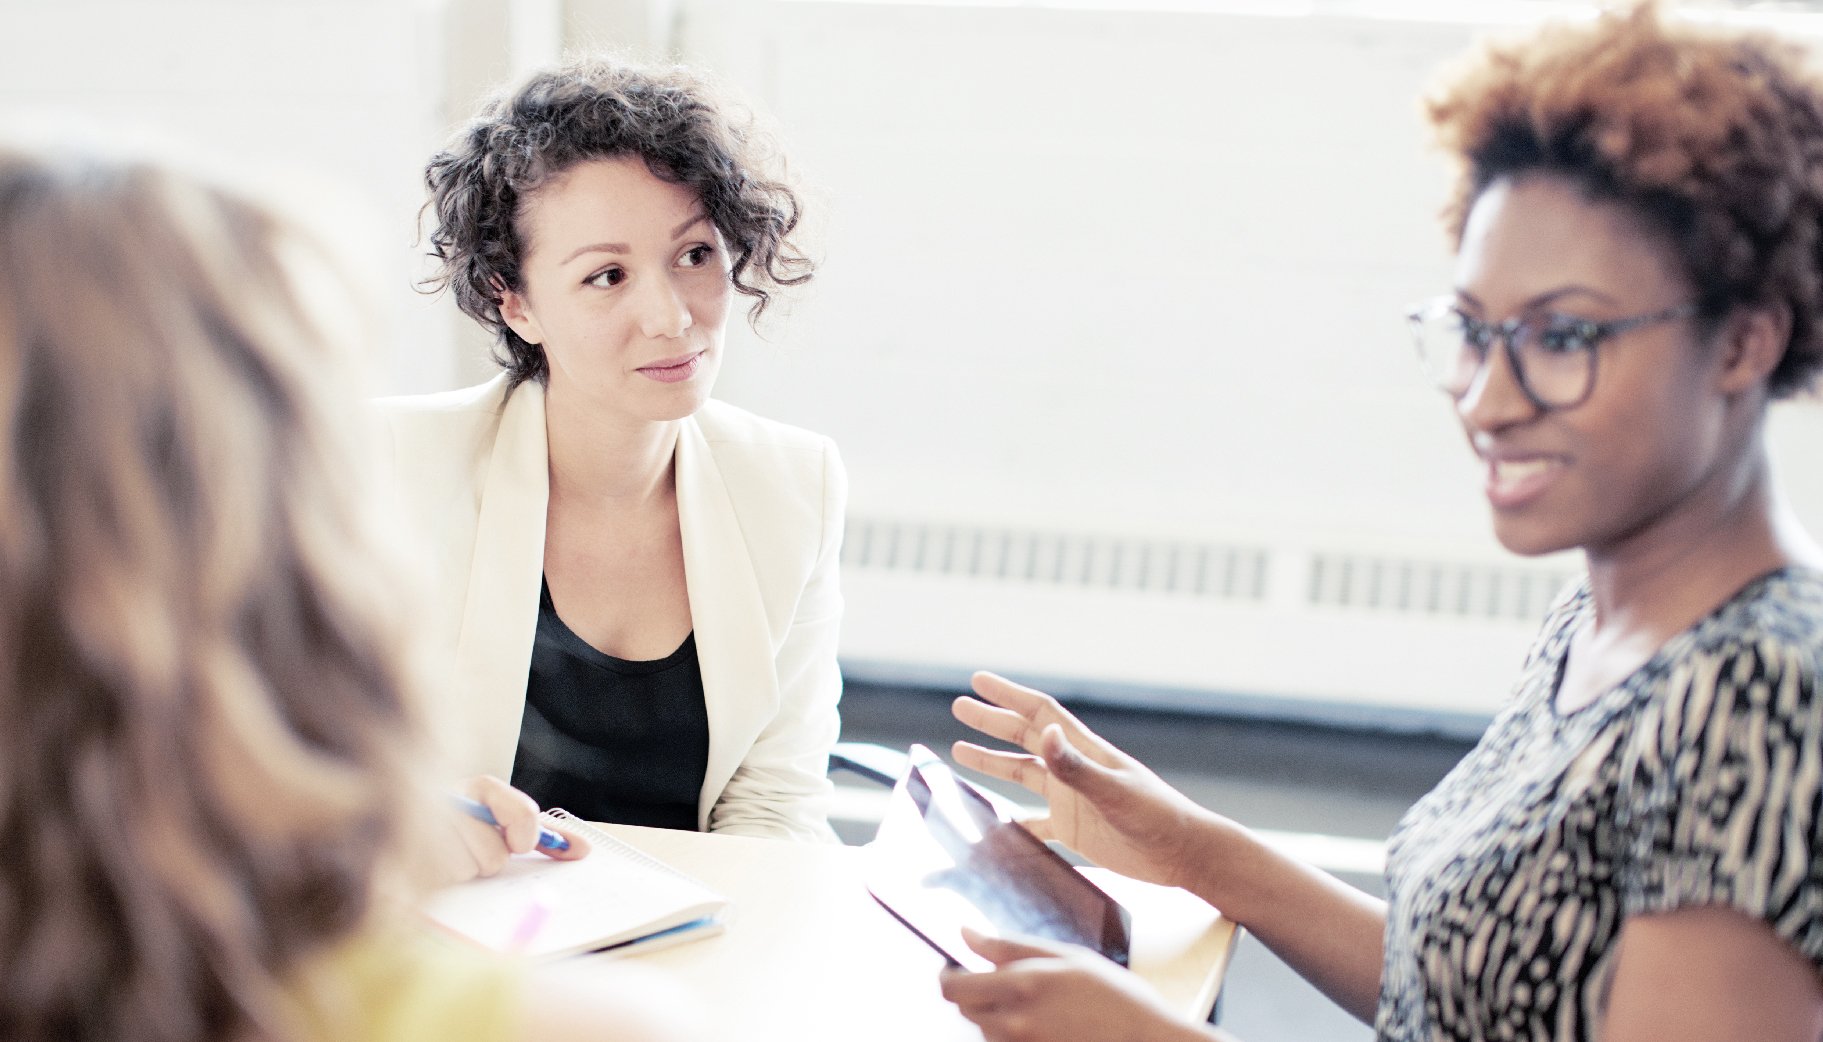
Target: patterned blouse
[1695, 781]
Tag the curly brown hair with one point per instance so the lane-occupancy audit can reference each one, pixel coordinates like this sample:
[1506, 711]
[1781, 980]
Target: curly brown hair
[1712, 136]
[601, 109]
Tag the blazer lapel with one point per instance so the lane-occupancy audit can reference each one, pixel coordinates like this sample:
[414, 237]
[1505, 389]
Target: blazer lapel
[500, 615]
[733, 644]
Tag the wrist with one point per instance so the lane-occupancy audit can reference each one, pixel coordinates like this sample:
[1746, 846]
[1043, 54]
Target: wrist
[1156, 1021]
[1170, 1027]
[1213, 863]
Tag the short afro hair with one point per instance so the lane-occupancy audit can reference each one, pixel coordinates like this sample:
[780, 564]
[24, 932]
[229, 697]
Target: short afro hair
[1712, 136]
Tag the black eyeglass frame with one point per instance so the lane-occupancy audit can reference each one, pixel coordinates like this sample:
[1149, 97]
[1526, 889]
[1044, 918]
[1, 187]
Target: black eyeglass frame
[1592, 333]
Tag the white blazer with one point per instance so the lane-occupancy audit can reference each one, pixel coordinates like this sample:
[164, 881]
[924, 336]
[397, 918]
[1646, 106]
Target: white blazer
[761, 507]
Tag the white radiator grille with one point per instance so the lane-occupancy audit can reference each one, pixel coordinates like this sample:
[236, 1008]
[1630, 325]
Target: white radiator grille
[1059, 558]
[1346, 580]
[1330, 633]
[1220, 571]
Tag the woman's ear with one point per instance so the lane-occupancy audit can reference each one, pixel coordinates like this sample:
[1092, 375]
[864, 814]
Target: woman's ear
[1754, 340]
[516, 312]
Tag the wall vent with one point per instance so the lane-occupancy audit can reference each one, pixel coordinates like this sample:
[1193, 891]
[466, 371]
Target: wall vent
[1216, 570]
[1429, 587]
[1222, 571]
[1322, 631]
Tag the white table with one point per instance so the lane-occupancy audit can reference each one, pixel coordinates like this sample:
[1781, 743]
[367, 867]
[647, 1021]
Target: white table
[808, 955]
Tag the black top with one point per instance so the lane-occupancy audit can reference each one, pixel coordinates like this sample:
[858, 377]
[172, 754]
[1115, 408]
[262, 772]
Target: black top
[608, 739]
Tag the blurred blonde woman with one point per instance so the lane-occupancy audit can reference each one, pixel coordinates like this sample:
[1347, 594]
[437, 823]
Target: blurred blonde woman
[206, 737]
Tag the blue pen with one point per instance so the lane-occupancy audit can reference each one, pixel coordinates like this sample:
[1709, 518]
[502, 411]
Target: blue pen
[547, 840]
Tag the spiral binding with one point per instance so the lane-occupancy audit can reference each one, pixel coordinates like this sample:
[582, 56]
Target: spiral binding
[619, 848]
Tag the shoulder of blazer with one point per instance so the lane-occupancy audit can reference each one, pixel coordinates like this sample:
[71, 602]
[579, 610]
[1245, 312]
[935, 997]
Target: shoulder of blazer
[478, 404]
[730, 425]
[447, 426]
[779, 478]
[439, 445]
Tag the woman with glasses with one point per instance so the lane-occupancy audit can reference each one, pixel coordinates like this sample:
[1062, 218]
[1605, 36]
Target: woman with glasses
[1634, 851]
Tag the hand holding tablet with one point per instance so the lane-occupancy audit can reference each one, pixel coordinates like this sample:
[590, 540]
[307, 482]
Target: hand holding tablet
[945, 858]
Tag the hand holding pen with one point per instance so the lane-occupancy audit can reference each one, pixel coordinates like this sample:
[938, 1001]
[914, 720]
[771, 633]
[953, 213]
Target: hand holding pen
[549, 840]
[494, 822]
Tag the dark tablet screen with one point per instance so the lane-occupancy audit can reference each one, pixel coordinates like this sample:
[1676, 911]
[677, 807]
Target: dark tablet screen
[945, 858]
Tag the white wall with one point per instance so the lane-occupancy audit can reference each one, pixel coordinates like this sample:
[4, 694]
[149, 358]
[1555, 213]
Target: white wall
[1136, 277]
[350, 95]
[1063, 243]
[1114, 291]
[342, 93]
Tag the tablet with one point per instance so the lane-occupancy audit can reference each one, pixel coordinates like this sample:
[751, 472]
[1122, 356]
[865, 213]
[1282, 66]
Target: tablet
[945, 858]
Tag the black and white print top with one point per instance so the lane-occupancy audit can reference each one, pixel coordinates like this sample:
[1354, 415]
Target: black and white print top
[1695, 781]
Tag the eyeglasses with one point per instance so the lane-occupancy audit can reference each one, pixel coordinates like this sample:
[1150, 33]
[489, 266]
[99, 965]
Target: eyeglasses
[1553, 356]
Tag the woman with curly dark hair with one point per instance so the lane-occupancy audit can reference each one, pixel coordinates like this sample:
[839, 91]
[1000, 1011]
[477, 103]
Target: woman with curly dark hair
[1633, 850]
[640, 600]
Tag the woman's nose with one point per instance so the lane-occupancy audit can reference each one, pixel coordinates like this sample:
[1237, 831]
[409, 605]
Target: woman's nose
[1494, 397]
[664, 313]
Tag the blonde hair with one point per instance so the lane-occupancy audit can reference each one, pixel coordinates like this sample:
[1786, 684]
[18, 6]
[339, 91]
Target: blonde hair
[205, 732]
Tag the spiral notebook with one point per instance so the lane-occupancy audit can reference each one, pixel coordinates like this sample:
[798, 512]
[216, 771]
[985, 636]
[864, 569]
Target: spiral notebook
[618, 899]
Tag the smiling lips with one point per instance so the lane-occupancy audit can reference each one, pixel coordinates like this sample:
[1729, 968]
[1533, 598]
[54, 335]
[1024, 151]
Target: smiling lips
[1514, 482]
[673, 370]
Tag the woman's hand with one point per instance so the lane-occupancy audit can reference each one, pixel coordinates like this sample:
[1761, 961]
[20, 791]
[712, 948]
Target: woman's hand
[1040, 990]
[474, 848]
[1101, 802]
